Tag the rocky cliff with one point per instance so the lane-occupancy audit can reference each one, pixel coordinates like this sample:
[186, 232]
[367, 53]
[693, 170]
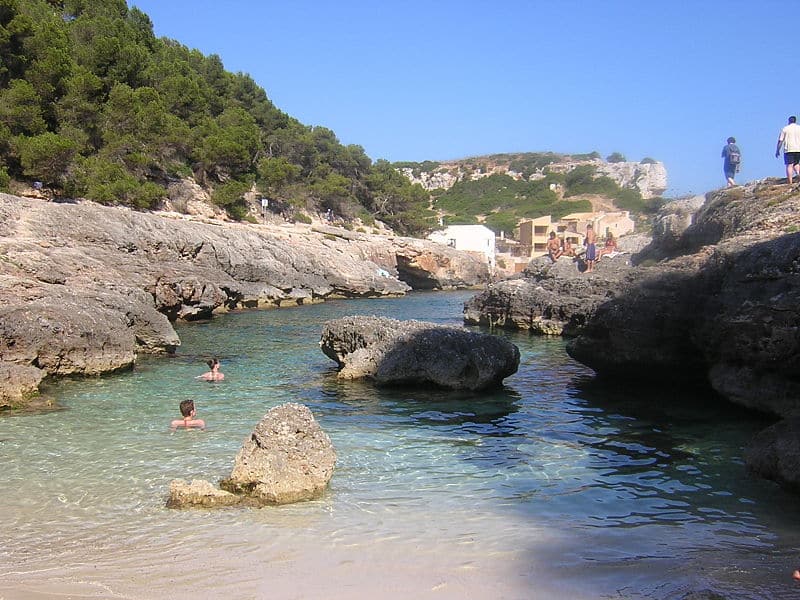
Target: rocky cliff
[85, 287]
[650, 178]
[714, 300]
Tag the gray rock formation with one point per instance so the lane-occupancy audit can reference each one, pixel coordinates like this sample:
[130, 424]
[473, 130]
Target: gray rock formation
[18, 383]
[199, 493]
[726, 310]
[391, 352]
[85, 287]
[287, 458]
[548, 298]
[649, 178]
[774, 453]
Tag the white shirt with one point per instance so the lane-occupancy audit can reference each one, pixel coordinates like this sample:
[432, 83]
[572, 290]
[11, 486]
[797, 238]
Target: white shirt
[790, 136]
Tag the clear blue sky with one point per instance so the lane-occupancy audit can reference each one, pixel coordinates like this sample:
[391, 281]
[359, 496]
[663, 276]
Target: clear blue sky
[445, 79]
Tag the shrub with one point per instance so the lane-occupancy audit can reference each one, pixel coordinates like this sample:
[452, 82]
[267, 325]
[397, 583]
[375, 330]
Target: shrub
[616, 157]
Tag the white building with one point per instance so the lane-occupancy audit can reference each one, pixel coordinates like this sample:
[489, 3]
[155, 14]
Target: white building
[469, 238]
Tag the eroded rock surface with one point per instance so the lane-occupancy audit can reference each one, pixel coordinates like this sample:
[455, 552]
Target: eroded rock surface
[287, 458]
[85, 287]
[391, 352]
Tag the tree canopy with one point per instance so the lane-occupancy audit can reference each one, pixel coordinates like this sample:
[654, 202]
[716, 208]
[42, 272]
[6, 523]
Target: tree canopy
[94, 105]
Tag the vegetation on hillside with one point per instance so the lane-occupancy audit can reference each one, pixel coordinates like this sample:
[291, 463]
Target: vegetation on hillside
[500, 201]
[92, 104]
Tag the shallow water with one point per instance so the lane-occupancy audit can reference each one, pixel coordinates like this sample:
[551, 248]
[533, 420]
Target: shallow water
[554, 487]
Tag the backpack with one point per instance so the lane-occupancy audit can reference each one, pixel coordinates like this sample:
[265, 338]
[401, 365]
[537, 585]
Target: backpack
[734, 157]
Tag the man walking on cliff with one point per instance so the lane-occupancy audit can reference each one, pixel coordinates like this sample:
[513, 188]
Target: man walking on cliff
[789, 138]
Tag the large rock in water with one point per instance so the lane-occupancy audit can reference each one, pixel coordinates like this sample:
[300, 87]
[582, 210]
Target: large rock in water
[287, 458]
[392, 352]
[774, 453]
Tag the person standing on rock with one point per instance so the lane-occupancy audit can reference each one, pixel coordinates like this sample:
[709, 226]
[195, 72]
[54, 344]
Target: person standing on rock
[732, 160]
[591, 248]
[789, 138]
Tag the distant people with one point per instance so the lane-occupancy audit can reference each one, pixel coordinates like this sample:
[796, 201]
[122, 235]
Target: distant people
[796, 574]
[789, 138]
[609, 247]
[554, 247]
[590, 241]
[732, 161]
[188, 421]
[214, 374]
[569, 249]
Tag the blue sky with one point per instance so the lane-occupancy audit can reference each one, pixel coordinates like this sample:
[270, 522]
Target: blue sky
[441, 80]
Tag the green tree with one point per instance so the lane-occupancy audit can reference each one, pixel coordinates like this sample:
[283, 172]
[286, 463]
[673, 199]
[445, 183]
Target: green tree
[274, 173]
[46, 156]
[20, 109]
[616, 157]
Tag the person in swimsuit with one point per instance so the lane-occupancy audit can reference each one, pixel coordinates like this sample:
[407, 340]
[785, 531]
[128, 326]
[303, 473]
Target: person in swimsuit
[554, 247]
[214, 374]
[591, 248]
[188, 421]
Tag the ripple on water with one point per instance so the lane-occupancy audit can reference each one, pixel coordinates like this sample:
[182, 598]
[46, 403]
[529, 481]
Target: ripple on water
[554, 484]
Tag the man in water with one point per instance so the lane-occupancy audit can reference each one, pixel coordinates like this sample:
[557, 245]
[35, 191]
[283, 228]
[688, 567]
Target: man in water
[188, 421]
[789, 138]
[214, 374]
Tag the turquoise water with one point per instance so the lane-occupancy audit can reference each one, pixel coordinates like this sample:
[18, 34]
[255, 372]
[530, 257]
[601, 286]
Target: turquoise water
[554, 486]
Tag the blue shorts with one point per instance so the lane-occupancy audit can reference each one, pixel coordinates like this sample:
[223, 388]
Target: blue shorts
[591, 252]
[791, 158]
[730, 171]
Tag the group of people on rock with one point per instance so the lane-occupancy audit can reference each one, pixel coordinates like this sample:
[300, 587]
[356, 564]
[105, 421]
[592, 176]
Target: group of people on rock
[788, 140]
[556, 247]
[188, 418]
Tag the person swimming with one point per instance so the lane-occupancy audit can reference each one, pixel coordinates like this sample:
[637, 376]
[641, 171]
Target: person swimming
[188, 421]
[214, 374]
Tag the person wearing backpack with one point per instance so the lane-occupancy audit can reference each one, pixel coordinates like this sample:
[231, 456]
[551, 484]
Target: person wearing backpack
[733, 159]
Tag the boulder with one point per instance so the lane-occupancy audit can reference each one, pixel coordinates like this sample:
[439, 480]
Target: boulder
[287, 458]
[548, 298]
[391, 352]
[18, 384]
[774, 453]
[199, 493]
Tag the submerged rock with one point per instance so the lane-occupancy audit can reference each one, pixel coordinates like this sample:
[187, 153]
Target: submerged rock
[199, 493]
[392, 352]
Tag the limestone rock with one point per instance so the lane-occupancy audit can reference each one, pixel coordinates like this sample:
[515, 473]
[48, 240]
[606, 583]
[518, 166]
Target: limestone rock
[84, 288]
[392, 352]
[774, 453]
[287, 458]
[18, 383]
[548, 298]
[199, 494]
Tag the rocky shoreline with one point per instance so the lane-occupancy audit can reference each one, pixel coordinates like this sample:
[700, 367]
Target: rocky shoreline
[85, 287]
[714, 298]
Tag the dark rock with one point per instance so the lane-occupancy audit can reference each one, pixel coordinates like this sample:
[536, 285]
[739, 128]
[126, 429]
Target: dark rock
[774, 453]
[391, 352]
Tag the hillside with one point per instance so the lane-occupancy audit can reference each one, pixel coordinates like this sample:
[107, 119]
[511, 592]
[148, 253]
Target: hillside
[499, 190]
[93, 105]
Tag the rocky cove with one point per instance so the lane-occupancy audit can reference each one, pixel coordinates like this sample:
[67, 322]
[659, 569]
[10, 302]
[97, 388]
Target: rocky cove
[713, 299]
[86, 287]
